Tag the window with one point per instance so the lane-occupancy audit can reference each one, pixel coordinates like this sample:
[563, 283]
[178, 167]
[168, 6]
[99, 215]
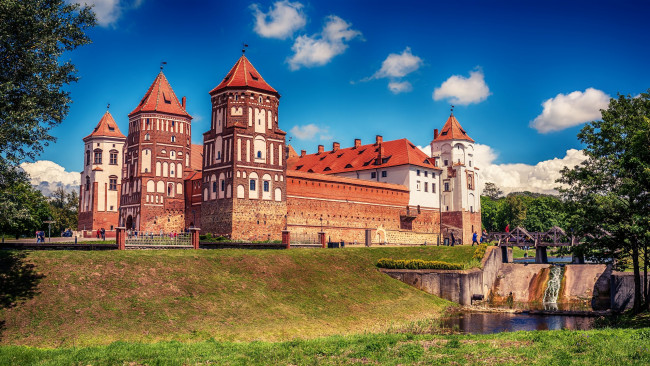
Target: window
[417, 185]
[113, 158]
[373, 174]
[260, 99]
[426, 173]
[426, 186]
[417, 172]
[433, 188]
[98, 157]
[172, 123]
[236, 96]
[147, 137]
[266, 186]
[87, 157]
[259, 154]
[384, 174]
[252, 185]
[223, 185]
[214, 187]
[446, 162]
[218, 155]
[169, 190]
[470, 163]
[112, 183]
[173, 138]
[446, 186]
[87, 183]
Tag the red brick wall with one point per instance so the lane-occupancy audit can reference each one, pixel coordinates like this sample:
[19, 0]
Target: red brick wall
[465, 221]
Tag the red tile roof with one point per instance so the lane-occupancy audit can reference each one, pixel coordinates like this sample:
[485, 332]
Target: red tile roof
[106, 128]
[244, 75]
[452, 130]
[373, 156]
[160, 98]
[196, 160]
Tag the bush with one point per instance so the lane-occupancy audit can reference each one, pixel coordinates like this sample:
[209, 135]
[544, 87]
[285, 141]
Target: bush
[479, 253]
[415, 264]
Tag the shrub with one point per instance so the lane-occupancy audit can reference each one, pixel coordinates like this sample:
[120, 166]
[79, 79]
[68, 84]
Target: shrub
[479, 253]
[415, 264]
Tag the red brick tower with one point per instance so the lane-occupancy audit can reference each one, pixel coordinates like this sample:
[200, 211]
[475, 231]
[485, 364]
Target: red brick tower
[157, 154]
[99, 196]
[244, 185]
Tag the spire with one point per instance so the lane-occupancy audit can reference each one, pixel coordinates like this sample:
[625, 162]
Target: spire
[244, 75]
[452, 130]
[160, 98]
[106, 128]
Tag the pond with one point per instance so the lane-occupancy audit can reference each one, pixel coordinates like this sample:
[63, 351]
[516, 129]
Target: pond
[488, 323]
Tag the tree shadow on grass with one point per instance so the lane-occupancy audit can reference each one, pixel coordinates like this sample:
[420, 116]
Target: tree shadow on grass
[18, 280]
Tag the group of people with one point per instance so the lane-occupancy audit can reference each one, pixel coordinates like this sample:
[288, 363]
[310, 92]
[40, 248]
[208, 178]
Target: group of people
[101, 233]
[40, 236]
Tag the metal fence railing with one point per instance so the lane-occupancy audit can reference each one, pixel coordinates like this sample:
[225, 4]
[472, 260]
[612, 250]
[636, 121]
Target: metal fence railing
[153, 240]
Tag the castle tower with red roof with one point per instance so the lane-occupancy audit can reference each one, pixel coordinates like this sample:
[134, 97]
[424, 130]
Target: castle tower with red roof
[156, 158]
[460, 202]
[99, 197]
[244, 169]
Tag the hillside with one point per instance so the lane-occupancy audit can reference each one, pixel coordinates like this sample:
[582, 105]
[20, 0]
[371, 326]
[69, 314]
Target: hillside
[77, 298]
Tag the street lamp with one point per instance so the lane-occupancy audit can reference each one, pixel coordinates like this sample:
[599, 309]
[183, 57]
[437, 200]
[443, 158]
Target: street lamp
[49, 229]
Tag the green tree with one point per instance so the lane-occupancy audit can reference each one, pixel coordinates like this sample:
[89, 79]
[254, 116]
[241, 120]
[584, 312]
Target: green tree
[491, 190]
[610, 191]
[64, 207]
[513, 211]
[34, 34]
[24, 209]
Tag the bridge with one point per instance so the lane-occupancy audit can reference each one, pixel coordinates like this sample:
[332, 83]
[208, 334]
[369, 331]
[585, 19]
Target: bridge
[520, 237]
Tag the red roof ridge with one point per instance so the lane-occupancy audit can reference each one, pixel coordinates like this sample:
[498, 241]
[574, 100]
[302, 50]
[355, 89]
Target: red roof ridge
[106, 127]
[452, 130]
[334, 178]
[160, 88]
[238, 77]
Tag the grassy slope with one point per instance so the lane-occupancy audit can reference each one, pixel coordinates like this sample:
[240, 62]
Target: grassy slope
[596, 347]
[94, 298]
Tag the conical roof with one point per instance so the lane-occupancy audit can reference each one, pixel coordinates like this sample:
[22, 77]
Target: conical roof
[452, 130]
[244, 75]
[106, 128]
[160, 98]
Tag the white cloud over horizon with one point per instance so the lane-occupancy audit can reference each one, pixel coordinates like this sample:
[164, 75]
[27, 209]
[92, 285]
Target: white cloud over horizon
[108, 12]
[518, 177]
[310, 132]
[320, 48]
[464, 90]
[282, 20]
[47, 176]
[568, 110]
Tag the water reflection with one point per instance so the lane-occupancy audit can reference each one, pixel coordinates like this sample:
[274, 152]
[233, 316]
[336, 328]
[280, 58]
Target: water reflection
[487, 323]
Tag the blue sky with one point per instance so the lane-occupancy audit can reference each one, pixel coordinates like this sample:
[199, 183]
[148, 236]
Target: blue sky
[334, 61]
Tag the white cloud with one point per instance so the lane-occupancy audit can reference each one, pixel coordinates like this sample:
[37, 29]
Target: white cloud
[108, 12]
[319, 49]
[538, 178]
[398, 65]
[461, 90]
[310, 131]
[281, 21]
[400, 87]
[47, 176]
[569, 110]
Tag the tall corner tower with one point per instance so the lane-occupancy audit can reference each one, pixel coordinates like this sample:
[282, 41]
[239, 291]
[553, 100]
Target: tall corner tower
[156, 157]
[460, 202]
[244, 168]
[99, 197]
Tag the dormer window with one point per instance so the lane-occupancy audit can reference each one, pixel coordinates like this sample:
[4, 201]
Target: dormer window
[111, 128]
[253, 76]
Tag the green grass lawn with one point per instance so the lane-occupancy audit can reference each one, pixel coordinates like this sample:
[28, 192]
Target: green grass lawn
[596, 347]
[83, 298]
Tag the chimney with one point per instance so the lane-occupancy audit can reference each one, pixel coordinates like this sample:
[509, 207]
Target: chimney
[435, 133]
[379, 139]
[335, 146]
[357, 143]
[183, 101]
[321, 149]
[302, 153]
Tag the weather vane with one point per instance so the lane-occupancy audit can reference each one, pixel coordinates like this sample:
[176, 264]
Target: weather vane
[108, 106]
[162, 64]
[452, 108]
[243, 48]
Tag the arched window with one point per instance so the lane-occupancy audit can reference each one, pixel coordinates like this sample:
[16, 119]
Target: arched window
[87, 183]
[214, 186]
[173, 138]
[98, 157]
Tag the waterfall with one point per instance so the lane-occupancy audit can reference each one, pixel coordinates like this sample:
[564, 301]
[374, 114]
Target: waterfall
[553, 288]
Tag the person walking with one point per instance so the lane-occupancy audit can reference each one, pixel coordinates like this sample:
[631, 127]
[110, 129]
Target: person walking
[474, 238]
[453, 239]
[103, 231]
[507, 228]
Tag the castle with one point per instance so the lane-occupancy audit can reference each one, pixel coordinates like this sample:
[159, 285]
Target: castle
[245, 183]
